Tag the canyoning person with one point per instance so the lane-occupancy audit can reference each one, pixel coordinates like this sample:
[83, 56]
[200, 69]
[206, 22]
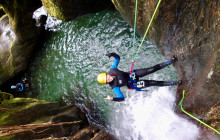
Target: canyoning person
[26, 84]
[18, 87]
[117, 78]
[23, 86]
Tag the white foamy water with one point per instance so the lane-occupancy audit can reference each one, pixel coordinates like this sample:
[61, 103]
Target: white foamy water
[52, 23]
[150, 116]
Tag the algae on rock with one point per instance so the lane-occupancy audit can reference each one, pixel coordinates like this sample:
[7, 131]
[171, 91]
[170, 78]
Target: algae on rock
[71, 9]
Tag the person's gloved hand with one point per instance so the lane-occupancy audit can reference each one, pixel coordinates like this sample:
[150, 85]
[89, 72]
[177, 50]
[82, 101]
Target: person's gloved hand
[112, 54]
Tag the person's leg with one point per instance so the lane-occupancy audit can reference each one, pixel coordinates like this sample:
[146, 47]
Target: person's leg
[148, 83]
[146, 71]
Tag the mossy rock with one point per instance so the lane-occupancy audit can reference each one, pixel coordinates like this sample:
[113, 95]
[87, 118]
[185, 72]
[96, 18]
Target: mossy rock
[38, 116]
[19, 36]
[71, 9]
[5, 96]
[19, 111]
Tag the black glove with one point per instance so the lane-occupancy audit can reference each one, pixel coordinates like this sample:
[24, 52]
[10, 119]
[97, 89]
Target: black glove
[112, 54]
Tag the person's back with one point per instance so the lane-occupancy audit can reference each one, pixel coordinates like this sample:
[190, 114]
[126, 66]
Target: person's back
[121, 78]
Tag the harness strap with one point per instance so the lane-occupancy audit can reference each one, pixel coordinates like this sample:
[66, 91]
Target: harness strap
[133, 82]
[132, 65]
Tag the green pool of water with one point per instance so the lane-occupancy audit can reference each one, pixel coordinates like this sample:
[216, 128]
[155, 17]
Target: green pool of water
[67, 66]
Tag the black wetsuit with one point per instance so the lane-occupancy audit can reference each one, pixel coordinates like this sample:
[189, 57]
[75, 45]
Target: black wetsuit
[123, 78]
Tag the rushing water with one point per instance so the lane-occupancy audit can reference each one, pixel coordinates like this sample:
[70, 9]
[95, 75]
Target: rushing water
[66, 69]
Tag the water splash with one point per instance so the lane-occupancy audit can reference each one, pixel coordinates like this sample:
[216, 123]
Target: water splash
[150, 116]
[52, 24]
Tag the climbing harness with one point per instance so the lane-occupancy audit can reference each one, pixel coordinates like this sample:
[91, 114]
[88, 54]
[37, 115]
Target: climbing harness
[195, 117]
[134, 83]
[134, 56]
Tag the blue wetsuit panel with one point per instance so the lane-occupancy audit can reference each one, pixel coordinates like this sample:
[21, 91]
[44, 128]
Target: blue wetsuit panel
[115, 64]
[117, 91]
[119, 94]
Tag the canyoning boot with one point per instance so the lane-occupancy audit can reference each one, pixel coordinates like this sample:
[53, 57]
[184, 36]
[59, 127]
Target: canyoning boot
[167, 63]
[177, 83]
[172, 83]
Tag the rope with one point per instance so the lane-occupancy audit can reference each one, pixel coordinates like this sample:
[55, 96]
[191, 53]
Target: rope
[134, 58]
[195, 117]
[135, 21]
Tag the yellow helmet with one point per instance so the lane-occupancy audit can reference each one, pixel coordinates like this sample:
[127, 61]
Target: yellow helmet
[101, 78]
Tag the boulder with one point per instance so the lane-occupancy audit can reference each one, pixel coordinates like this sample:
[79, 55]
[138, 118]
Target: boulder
[25, 118]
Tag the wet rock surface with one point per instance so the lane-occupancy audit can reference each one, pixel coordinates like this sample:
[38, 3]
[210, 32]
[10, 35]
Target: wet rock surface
[71, 9]
[190, 31]
[25, 118]
[18, 36]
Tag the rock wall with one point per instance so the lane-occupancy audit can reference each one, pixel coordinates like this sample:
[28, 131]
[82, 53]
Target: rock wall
[1, 11]
[70, 9]
[18, 36]
[190, 31]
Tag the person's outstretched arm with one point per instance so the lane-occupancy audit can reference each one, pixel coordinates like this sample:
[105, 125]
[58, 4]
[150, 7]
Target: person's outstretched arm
[116, 61]
[120, 96]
